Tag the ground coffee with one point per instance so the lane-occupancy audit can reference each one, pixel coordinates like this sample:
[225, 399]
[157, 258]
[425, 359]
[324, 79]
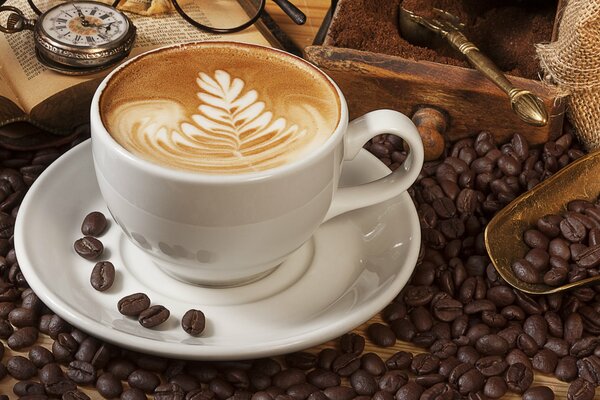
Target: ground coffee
[506, 31]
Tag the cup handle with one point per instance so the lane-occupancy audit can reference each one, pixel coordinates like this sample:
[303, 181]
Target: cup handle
[358, 133]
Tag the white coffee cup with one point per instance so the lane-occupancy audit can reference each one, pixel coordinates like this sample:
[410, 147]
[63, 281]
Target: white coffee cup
[230, 229]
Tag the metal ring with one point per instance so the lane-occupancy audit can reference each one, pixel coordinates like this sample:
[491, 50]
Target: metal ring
[6, 29]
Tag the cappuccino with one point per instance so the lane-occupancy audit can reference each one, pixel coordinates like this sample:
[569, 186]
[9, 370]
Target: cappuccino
[219, 108]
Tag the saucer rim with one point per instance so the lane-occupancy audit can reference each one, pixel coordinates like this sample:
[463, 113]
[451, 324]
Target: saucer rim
[259, 349]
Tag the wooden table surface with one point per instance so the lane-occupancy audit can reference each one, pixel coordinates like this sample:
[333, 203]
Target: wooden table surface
[303, 36]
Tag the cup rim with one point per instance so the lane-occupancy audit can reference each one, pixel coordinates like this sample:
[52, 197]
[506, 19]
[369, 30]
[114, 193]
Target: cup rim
[100, 132]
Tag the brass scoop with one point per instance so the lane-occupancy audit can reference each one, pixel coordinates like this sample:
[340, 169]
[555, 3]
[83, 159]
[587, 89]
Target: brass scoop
[504, 233]
[423, 31]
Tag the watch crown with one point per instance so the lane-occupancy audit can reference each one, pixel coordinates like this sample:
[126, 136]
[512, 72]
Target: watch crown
[17, 22]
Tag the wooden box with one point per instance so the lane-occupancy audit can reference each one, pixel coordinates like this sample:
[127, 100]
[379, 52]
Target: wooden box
[454, 101]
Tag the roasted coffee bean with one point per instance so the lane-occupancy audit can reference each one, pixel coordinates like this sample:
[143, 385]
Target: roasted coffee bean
[538, 393]
[81, 372]
[470, 382]
[580, 389]
[193, 322]
[447, 309]
[495, 387]
[301, 360]
[373, 364]
[467, 354]
[363, 382]
[25, 388]
[536, 239]
[573, 328]
[536, 327]
[410, 391]
[51, 373]
[352, 343]
[340, 393]
[443, 348]
[424, 363]
[588, 368]
[289, 377]
[21, 317]
[346, 364]
[477, 306]
[558, 346]
[108, 386]
[492, 345]
[438, 391]
[518, 377]
[79, 395]
[572, 229]
[429, 380]
[559, 248]
[322, 378]
[325, 359]
[501, 296]
[391, 381]
[399, 360]
[566, 369]
[381, 335]
[57, 325]
[491, 365]
[525, 271]
[545, 361]
[133, 304]
[169, 391]
[21, 368]
[144, 380]
[527, 344]
[121, 368]
[88, 247]
[421, 319]
[549, 225]
[103, 276]
[40, 356]
[584, 346]
[22, 338]
[94, 224]
[137, 394]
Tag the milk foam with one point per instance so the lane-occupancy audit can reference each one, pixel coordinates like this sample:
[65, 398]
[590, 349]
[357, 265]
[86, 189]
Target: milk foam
[230, 129]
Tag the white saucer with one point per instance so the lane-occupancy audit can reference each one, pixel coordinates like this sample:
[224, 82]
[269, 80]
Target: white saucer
[353, 267]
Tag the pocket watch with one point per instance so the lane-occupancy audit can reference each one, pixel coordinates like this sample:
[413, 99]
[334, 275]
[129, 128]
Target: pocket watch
[77, 37]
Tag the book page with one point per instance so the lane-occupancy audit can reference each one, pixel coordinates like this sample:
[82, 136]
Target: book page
[6, 90]
[33, 83]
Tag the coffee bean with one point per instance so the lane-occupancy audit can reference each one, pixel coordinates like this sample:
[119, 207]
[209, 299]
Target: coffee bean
[545, 361]
[572, 229]
[492, 345]
[518, 377]
[410, 391]
[51, 373]
[153, 316]
[79, 395]
[133, 304]
[289, 377]
[94, 224]
[40, 356]
[536, 239]
[525, 271]
[137, 394]
[467, 354]
[169, 391]
[353, 343]
[108, 386]
[537, 327]
[345, 364]
[424, 364]
[22, 338]
[399, 360]
[584, 346]
[580, 389]
[470, 382]
[21, 368]
[325, 358]
[340, 393]
[391, 381]
[566, 369]
[81, 372]
[323, 379]
[363, 382]
[373, 364]
[558, 346]
[538, 393]
[495, 387]
[88, 247]
[144, 380]
[21, 317]
[25, 388]
[301, 360]
[438, 391]
[588, 368]
[103, 276]
[447, 309]
[381, 335]
[491, 365]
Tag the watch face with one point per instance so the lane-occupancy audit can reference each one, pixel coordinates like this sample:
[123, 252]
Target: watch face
[84, 24]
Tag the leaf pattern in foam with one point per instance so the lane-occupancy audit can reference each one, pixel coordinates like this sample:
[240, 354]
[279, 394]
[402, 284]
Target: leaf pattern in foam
[229, 115]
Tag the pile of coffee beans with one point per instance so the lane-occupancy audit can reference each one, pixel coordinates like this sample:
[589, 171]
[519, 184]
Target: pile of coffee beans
[563, 248]
[480, 338]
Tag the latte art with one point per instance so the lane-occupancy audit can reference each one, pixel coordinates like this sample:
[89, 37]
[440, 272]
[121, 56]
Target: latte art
[228, 124]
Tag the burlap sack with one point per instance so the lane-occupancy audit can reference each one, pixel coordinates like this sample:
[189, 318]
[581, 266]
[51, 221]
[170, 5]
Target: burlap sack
[573, 63]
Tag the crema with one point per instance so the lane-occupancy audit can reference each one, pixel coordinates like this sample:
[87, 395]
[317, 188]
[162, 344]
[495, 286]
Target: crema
[220, 109]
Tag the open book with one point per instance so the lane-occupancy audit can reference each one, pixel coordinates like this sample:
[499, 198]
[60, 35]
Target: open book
[59, 103]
